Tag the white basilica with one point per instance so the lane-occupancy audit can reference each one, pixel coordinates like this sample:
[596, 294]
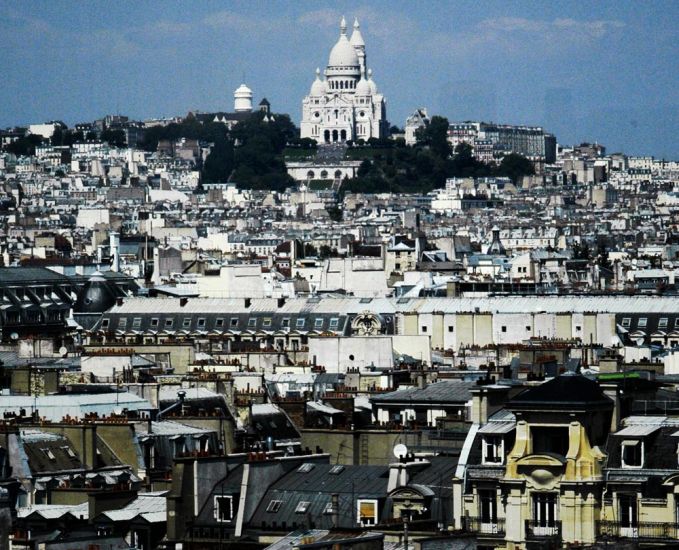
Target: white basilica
[345, 105]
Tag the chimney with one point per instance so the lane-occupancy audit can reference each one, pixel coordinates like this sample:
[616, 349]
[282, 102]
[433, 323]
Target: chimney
[280, 302]
[183, 301]
[335, 510]
[248, 302]
[611, 390]
[114, 244]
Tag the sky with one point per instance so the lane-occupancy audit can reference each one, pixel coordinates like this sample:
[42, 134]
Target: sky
[586, 71]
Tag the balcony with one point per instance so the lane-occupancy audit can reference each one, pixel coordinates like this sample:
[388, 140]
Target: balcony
[543, 530]
[640, 531]
[483, 527]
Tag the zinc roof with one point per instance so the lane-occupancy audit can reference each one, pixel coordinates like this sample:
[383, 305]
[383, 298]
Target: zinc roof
[348, 305]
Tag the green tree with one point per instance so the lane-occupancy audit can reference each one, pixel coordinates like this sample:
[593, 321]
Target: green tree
[219, 164]
[515, 166]
[435, 136]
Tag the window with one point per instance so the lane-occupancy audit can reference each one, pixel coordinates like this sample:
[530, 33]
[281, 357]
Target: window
[70, 452]
[626, 322]
[451, 328]
[662, 323]
[299, 323]
[488, 506]
[642, 322]
[676, 323]
[267, 322]
[628, 514]
[302, 507]
[224, 508]
[252, 322]
[306, 468]
[136, 322]
[493, 449]
[233, 322]
[527, 328]
[49, 454]
[318, 323]
[328, 509]
[550, 439]
[169, 323]
[154, 322]
[274, 506]
[286, 323]
[186, 323]
[201, 322]
[367, 512]
[544, 512]
[632, 454]
[104, 323]
[219, 323]
[337, 469]
[122, 323]
[334, 322]
[424, 329]
[578, 328]
[504, 328]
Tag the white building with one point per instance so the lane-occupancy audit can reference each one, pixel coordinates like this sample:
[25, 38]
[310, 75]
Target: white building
[345, 105]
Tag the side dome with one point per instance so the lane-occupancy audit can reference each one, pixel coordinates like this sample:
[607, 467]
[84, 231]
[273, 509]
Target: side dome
[96, 296]
[363, 87]
[318, 87]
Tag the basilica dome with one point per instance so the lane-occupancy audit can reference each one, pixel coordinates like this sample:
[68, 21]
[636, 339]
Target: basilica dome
[343, 54]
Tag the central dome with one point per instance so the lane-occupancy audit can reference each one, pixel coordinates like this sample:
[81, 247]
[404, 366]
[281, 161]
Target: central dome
[343, 54]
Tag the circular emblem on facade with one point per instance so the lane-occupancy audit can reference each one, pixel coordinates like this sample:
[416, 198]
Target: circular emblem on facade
[366, 323]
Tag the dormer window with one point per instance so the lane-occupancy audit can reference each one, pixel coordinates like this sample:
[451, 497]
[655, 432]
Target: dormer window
[493, 449]
[632, 455]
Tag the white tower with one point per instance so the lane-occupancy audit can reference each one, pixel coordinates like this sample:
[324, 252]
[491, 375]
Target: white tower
[242, 99]
[359, 45]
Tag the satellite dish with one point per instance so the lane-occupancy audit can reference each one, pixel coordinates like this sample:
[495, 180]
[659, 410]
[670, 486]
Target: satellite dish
[400, 451]
[63, 351]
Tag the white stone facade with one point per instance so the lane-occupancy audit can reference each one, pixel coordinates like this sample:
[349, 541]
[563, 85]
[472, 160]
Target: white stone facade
[345, 105]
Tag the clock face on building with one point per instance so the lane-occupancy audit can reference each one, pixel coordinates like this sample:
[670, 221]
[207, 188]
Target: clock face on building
[362, 113]
[317, 114]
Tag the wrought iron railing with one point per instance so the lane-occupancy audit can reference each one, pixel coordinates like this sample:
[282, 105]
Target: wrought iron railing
[640, 530]
[485, 526]
[543, 529]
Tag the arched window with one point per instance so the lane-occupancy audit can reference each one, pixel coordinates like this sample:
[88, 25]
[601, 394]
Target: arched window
[324, 175]
[310, 174]
[338, 174]
[343, 135]
[326, 135]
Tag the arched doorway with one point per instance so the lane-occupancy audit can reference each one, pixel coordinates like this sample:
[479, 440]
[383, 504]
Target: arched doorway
[324, 175]
[310, 174]
[326, 135]
[334, 136]
[338, 174]
[343, 135]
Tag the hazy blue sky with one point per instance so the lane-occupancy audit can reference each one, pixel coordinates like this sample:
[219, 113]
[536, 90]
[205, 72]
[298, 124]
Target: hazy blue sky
[606, 71]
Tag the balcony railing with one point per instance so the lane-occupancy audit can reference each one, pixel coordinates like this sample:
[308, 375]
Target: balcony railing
[641, 530]
[484, 527]
[541, 529]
